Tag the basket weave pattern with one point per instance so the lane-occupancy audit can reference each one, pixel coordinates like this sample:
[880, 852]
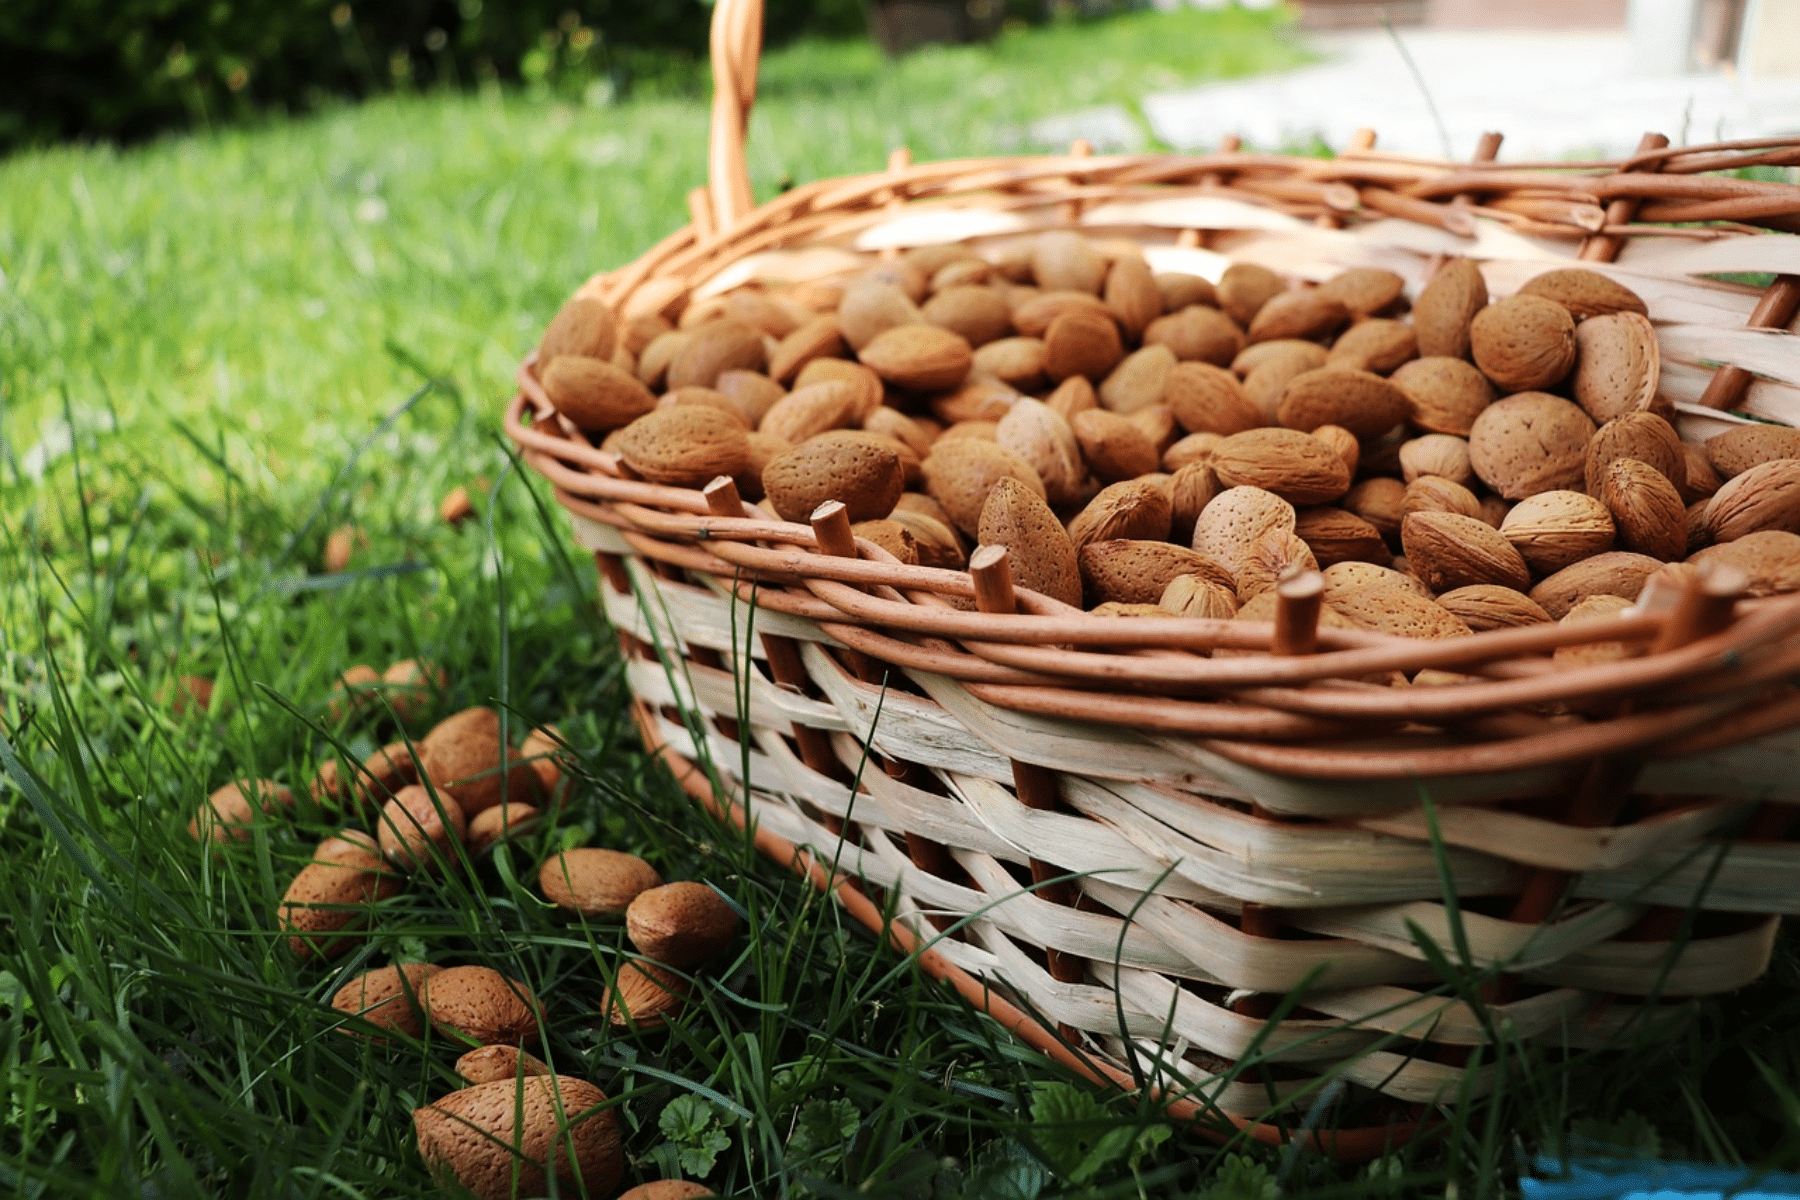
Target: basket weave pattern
[1139, 841]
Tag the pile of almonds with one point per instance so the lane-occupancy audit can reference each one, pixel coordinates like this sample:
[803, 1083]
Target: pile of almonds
[1157, 444]
[426, 797]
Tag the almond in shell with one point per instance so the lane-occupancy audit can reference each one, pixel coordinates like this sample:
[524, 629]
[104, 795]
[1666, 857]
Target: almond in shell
[1443, 395]
[1486, 606]
[1245, 287]
[1198, 596]
[1447, 551]
[1365, 404]
[595, 395]
[1585, 293]
[1131, 294]
[820, 337]
[1336, 536]
[844, 465]
[1767, 496]
[1553, 530]
[1613, 573]
[1039, 435]
[1529, 443]
[1293, 465]
[1128, 571]
[1043, 555]
[1447, 307]
[595, 882]
[1437, 454]
[685, 446]
[1229, 528]
[1365, 291]
[978, 315]
[1271, 558]
[1114, 447]
[1130, 509]
[1524, 343]
[583, 326]
[1197, 334]
[1140, 380]
[920, 357]
[960, 472]
[1646, 508]
[1769, 560]
[713, 348]
[870, 308]
[1177, 290]
[1737, 450]
[508, 1137]
[1209, 399]
[1643, 436]
[1308, 315]
[1377, 345]
[1191, 489]
[1618, 367]
[1381, 501]
[1062, 260]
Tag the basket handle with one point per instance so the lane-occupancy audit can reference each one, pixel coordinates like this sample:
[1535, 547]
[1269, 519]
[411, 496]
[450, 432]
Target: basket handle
[736, 47]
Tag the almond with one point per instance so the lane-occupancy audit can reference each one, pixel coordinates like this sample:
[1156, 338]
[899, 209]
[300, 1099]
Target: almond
[809, 411]
[1043, 556]
[685, 446]
[1114, 448]
[499, 1063]
[1585, 293]
[1437, 454]
[870, 308]
[506, 1138]
[864, 384]
[1485, 606]
[1197, 596]
[933, 540]
[1036, 433]
[706, 397]
[1065, 261]
[1443, 395]
[1033, 315]
[1434, 493]
[1446, 308]
[1191, 489]
[1157, 423]
[1081, 343]
[479, 1006]
[976, 400]
[1336, 536]
[1140, 379]
[1197, 334]
[1194, 448]
[643, 996]
[1530, 443]
[1345, 577]
[1553, 530]
[1365, 290]
[1524, 343]
[1295, 466]
[1596, 609]
[1737, 450]
[387, 997]
[1253, 356]
[1394, 609]
[1127, 571]
[1131, 294]
[891, 536]
[713, 348]
[1299, 314]
[1639, 435]
[1614, 573]
[1377, 345]
[419, 827]
[921, 357]
[461, 756]
[1646, 508]
[1448, 551]
[753, 392]
[978, 315]
[760, 313]
[595, 882]
[1018, 362]
[582, 327]
[1245, 288]
[960, 472]
[845, 465]
[1381, 502]
[1209, 399]
[680, 924]
[1131, 509]
[1229, 528]
[1177, 290]
[961, 273]
[1365, 404]
[595, 396]
[231, 812]
[500, 823]
[1267, 380]
[1076, 394]
[1619, 365]
[821, 337]
[1271, 558]
[653, 363]
[1767, 496]
[329, 898]
[639, 332]
[1770, 560]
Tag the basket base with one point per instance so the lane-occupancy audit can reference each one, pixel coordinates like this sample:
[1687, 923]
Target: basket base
[1356, 1145]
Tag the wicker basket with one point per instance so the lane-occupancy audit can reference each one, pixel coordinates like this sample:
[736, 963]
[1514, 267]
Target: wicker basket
[1123, 848]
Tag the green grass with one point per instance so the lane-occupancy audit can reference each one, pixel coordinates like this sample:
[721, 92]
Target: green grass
[207, 349]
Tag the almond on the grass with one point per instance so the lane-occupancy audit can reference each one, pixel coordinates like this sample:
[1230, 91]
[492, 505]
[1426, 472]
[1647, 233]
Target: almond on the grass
[1639, 435]
[680, 924]
[505, 1138]
[1229, 528]
[1524, 343]
[1485, 606]
[1448, 551]
[479, 1006]
[1585, 293]
[1041, 551]
[1140, 380]
[330, 898]
[1113, 446]
[1131, 508]
[500, 823]
[1618, 367]
[1363, 403]
[419, 827]
[685, 446]
[1443, 395]
[1613, 573]
[1127, 571]
[1646, 508]
[1293, 465]
[959, 473]
[595, 882]
[499, 1063]
[844, 465]
[1529, 443]
[1767, 496]
[1737, 450]
[921, 357]
[1553, 530]
[386, 997]
[1446, 307]
[643, 996]
[229, 814]
[340, 545]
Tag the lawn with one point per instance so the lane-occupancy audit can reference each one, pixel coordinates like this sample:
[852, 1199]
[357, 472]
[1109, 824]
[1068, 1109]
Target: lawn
[216, 349]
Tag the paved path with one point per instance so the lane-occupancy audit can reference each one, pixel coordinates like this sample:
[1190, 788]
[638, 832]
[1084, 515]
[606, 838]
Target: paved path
[1554, 96]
